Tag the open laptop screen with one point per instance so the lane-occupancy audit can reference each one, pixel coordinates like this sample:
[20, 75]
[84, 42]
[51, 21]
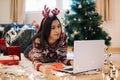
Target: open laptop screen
[87, 55]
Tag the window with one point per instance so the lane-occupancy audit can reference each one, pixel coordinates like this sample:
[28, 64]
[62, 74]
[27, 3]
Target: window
[38, 5]
[66, 4]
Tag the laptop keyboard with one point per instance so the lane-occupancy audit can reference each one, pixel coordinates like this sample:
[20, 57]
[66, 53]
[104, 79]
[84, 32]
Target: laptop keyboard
[69, 69]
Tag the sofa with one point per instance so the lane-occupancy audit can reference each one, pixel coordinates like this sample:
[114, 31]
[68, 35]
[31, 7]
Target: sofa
[18, 34]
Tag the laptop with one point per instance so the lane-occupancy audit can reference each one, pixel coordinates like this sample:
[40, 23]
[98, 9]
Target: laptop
[88, 56]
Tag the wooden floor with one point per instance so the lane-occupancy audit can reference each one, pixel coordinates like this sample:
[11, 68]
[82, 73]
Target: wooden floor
[114, 50]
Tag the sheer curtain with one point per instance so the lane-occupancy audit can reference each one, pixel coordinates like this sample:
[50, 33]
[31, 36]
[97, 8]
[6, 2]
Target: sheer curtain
[17, 11]
[104, 8]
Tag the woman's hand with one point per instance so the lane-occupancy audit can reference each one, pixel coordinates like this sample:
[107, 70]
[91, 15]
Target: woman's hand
[46, 70]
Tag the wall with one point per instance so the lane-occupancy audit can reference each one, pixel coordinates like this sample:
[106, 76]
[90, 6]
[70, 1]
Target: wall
[112, 27]
[4, 11]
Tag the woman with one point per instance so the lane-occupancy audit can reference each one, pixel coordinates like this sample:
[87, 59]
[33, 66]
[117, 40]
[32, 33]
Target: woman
[49, 44]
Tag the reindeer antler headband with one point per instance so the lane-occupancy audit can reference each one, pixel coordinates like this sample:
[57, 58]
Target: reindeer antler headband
[46, 12]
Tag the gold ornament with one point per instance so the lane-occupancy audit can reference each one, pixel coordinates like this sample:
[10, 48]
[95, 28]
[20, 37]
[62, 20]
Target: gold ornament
[75, 32]
[74, 19]
[79, 20]
[101, 26]
[90, 29]
[80, 6]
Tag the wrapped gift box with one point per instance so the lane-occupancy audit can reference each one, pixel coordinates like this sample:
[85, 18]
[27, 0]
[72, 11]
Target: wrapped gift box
[9, 60]
[13, 50]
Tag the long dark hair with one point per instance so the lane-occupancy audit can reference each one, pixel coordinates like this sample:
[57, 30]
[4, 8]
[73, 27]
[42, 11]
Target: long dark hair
[44, 31]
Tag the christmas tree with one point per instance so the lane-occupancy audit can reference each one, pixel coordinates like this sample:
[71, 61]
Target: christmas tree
[83, 22]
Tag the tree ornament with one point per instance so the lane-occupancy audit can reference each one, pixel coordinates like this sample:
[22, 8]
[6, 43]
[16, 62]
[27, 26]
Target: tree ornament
[109, 38]
[90, 18]
[67, 12]
[66, 26]
[84, 27]
[79, 19]
[94, 32]
[67, 22]
[72, 35]
[74, 19]
[96, 14]
[75, 32]
[87, 1]
[90, 29]
[86, 13]
[100, 26]
[80, 6]
[86, 38]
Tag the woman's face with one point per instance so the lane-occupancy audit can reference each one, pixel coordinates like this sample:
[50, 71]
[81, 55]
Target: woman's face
[55, 30]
